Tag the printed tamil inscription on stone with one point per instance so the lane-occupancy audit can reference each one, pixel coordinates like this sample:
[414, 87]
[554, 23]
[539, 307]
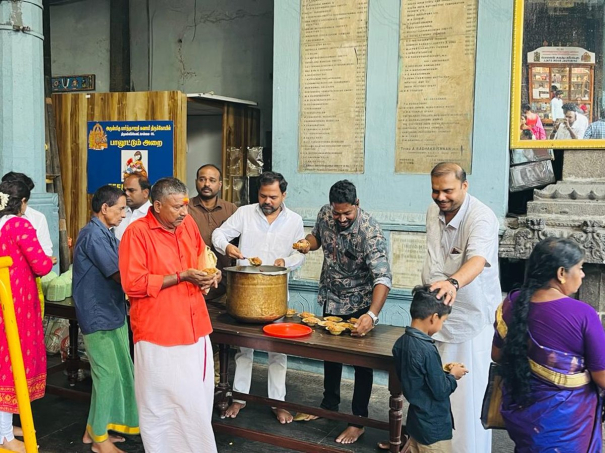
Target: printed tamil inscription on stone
[311, 269]
[334, 36]
[408, 251]
[436, 84]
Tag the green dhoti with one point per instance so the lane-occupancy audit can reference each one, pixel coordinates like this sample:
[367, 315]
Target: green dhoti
[113, 406]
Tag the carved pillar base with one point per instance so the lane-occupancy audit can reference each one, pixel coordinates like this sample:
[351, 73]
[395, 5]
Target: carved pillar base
[522, 234]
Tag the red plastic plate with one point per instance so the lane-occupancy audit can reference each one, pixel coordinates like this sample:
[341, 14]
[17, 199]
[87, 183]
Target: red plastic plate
[287, 330]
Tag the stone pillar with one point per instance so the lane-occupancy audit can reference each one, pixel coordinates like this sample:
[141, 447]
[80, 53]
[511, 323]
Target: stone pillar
[584, 166]
[22, 90]
[22, 103]
[592, 290]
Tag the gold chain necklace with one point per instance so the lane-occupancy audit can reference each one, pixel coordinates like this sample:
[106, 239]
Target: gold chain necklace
[557, 290]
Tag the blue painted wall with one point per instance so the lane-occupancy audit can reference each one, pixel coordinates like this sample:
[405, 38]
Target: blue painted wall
[399, 201]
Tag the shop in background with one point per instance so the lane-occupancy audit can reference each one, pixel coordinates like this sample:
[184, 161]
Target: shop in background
[569, 69]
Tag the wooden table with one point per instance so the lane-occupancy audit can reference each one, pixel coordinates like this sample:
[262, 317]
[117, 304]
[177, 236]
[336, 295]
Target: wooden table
[372, 351]
[65, 309]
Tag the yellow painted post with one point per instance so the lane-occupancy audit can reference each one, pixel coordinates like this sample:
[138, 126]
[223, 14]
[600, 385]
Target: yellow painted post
[14, 349]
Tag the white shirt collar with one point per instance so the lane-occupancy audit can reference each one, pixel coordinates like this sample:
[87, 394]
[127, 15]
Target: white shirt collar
[141, 209]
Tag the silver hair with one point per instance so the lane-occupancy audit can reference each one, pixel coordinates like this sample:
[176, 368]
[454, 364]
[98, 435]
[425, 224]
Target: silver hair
[165, 187]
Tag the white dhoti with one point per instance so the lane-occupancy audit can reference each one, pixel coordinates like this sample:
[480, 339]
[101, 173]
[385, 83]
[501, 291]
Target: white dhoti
[276, 382]
[174, 387]
[475, 354]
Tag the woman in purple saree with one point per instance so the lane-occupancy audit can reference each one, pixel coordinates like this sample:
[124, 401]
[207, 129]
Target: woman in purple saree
[552, 351]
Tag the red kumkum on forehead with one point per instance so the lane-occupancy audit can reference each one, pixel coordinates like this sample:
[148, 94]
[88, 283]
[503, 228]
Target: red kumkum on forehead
[185, 200]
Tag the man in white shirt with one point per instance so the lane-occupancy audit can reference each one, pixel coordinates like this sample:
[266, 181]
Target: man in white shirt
[36, 218]
[556, 106]
[462, 263]
[572, 126]
[40, 224]
[137, 189]
[266, 230]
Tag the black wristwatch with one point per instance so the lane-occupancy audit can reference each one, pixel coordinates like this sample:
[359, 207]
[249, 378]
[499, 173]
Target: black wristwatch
[454, 282]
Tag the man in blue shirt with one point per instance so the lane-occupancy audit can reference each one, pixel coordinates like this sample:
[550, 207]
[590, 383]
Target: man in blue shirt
[101, 312]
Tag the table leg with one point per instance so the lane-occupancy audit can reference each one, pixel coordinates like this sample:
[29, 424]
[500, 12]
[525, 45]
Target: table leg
[223, 385]
[395, 413]
[73, 361]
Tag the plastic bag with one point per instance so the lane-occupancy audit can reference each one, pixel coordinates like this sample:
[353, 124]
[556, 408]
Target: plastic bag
[255, 161]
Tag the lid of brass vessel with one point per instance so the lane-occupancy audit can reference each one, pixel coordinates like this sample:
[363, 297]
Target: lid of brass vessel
[265, 270]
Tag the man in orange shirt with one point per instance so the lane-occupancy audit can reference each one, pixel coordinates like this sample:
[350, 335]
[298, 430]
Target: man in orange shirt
[174, 383]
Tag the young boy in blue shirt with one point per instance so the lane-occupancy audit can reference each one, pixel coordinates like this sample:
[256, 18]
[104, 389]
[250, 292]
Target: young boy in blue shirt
[424, 383]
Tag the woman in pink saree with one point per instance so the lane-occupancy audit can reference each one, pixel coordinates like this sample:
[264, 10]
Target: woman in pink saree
[18, 240]
[551, 350]
[532, 121]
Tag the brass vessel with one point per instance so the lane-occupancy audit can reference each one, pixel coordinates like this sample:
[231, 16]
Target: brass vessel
[257, 294]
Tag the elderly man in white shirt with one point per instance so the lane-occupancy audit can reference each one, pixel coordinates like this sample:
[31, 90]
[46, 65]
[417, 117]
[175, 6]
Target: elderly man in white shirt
[462, 263]
[266, 230]
[137, 189]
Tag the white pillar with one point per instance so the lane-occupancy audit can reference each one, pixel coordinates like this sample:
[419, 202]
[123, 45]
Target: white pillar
[22, 90]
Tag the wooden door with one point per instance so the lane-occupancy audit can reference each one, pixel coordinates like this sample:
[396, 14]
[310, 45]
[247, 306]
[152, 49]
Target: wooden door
[241, 129]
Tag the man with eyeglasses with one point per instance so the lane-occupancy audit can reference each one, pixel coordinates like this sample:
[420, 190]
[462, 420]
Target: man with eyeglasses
[209, 212]
[355, 282]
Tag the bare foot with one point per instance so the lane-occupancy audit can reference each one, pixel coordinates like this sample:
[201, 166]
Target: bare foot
[17, 431]
[386, 445]
[105, 447]
[113, 439]
[283, 416]
[14, 445]
[350, 435]
[234, 409]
